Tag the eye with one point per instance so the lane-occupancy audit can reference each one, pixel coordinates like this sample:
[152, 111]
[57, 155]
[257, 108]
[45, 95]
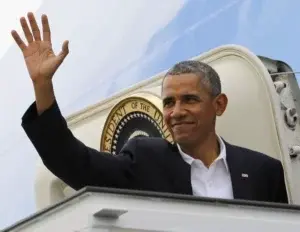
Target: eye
[191, 99]
[168, 103]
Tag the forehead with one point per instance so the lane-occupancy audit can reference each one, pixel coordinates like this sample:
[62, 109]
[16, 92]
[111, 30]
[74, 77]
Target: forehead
[182, 84]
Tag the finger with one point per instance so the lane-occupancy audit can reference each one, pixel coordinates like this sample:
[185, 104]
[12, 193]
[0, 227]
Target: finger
[34, 27]
[65, 50]
[26, 30]
[18, 40]
[46, 29]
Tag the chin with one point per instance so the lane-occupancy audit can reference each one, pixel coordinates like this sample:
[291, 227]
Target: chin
[182, 139]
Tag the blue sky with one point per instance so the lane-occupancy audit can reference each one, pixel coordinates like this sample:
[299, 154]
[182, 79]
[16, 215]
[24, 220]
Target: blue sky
[266, 27]
[114, 45]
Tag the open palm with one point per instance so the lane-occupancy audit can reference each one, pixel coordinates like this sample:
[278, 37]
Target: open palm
[40, 59]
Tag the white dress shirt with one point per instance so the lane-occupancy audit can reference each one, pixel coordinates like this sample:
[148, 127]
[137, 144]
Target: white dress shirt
[214, 181]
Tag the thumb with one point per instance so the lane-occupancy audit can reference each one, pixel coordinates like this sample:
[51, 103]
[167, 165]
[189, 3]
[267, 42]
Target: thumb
[65, 50]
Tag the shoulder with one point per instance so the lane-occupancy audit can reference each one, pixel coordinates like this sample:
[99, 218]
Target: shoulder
[153, 144]
[253, 157]
[147, 149]
[149, 142]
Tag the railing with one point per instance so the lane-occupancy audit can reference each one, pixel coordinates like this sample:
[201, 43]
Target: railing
[100, 209]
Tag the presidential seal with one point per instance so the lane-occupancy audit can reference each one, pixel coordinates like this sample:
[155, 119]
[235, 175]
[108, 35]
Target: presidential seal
[132, 117]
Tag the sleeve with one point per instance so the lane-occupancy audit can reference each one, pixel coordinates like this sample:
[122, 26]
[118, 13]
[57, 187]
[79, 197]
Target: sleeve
[69, 159]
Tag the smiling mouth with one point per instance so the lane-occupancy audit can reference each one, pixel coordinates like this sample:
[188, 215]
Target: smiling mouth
[182, 123]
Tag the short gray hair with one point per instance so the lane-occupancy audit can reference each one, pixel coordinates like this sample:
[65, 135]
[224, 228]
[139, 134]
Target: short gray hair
[208, 75]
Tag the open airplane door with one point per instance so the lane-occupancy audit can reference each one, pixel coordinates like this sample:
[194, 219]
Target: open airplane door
[262, 115]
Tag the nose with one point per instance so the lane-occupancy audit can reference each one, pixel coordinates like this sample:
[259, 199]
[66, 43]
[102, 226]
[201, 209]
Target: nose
[177, 111]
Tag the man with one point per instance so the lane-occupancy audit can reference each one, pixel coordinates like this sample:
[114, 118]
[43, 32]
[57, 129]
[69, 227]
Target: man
[200, 163]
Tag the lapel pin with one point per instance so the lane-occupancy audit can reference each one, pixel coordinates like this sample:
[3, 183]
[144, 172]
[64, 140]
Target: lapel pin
[245, 175]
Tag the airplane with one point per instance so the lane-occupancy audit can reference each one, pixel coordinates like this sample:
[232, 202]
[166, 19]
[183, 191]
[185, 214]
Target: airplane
[263, 115]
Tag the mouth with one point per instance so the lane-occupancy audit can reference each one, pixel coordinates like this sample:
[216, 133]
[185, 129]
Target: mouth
[182, 124]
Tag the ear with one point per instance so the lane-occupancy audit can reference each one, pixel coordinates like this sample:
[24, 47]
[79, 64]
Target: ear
[220, 104]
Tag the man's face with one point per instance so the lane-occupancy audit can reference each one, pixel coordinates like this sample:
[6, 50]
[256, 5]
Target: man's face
[189, 109]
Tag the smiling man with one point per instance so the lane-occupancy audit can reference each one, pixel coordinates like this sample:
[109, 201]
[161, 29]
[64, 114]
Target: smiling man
[200, 162]
[192, 99]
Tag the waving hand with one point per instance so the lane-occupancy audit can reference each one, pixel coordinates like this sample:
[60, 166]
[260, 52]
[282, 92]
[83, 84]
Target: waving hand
[38, 53]
[40, 59]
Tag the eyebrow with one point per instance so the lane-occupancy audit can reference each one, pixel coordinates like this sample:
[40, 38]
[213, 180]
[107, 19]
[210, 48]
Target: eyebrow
[195, 96]
[191, 96]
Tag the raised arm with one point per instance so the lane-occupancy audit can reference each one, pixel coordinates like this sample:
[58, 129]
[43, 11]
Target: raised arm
[68, 158]
[71, 160]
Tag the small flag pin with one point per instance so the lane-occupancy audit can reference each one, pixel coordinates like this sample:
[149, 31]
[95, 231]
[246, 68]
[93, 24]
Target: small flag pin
[245, 175]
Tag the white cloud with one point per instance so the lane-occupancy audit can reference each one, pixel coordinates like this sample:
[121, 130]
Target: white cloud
[131, 68]
[105, 36]
[108, 50]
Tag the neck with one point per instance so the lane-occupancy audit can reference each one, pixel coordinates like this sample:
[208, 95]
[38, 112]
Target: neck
[206, 150]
